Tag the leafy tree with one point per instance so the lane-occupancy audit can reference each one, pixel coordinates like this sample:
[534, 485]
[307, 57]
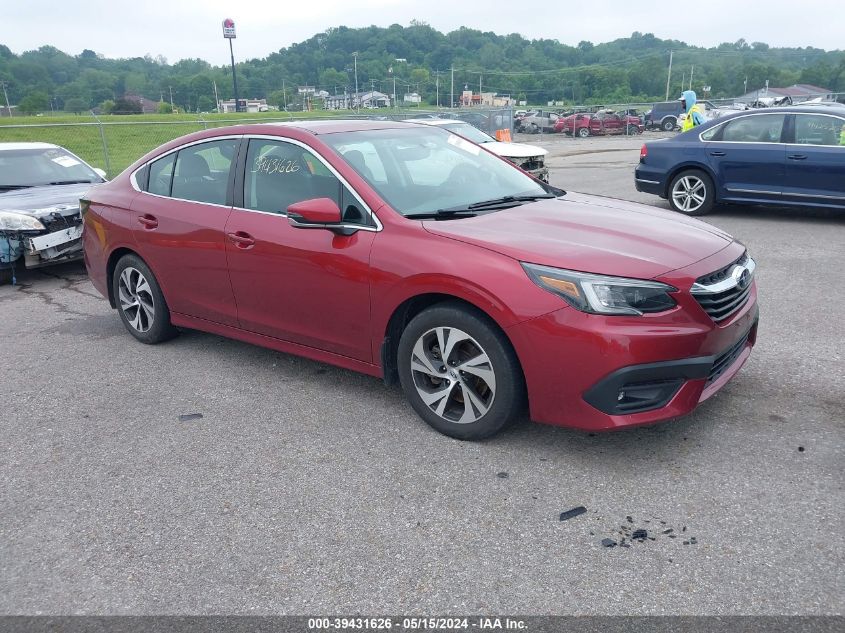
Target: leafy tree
[107, 106]
[126, 106]
[75, 105]
[164, 108]
[34, 102]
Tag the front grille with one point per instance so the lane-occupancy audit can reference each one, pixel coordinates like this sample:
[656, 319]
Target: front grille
[530, 164]
[722, 273]
[724, 291]
[726, 359]
[57, 222]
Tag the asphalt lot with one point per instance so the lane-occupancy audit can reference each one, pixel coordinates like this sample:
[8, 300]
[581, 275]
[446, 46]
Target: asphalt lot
[306, 489]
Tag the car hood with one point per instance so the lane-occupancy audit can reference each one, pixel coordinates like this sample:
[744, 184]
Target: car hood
[515, 150]
[40, 201]
[590, 234]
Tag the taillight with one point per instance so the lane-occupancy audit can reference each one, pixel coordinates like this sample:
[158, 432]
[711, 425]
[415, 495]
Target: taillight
[643, 153]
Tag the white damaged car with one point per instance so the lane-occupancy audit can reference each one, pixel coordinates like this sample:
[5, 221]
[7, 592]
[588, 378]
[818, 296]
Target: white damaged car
[528, 157]
[40, 221]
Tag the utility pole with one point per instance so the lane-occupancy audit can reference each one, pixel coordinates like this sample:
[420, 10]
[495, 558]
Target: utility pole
[669, 77]
[284, 95]
[479, 85]
[452, 95]
[229, 34]
[6, 95]
[171, 97]
[437, 86]
[692, 70]
[216, 98]
[357, 96]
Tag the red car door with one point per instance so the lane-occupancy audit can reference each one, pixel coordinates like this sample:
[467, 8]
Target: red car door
[179, 222]
[307, 286]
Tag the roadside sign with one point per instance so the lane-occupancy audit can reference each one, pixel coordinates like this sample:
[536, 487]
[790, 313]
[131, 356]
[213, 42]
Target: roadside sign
[229, 28]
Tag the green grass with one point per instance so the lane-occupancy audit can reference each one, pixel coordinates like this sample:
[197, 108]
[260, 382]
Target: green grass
[130, 137]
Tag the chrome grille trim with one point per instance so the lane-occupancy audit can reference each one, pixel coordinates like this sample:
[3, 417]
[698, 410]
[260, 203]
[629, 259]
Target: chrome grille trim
[723, 292]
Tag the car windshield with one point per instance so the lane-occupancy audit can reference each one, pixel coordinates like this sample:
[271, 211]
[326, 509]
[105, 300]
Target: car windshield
[424, 169]
[469, 131]
[33, 167]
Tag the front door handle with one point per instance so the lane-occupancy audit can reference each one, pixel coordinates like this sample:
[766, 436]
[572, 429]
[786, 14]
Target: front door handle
[797, 157]
[717, 153]
[241, 239]
[148, 221]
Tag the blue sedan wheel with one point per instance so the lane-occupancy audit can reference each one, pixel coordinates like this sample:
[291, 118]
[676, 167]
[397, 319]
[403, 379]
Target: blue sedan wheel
[691, 193]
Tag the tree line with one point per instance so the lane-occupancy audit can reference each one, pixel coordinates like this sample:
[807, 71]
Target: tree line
[418, 58]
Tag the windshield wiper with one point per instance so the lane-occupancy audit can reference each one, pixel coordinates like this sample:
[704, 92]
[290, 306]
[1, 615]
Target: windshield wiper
[13, 187]
[469, 210]
[508, 200]
[443, 213]
[70, 182]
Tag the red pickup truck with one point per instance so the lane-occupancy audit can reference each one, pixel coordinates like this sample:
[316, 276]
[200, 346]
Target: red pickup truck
[586, 124]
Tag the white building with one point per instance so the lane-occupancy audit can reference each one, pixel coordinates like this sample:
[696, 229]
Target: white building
[247, 105]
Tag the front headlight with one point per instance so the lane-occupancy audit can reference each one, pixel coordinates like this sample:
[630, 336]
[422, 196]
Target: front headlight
[11, 221]
[602, 295]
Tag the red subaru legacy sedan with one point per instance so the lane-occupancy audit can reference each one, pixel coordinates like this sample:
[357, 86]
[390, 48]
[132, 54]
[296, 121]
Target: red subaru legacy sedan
[406, 252]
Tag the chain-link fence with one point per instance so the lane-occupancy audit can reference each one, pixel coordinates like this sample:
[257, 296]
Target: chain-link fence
[114, 145]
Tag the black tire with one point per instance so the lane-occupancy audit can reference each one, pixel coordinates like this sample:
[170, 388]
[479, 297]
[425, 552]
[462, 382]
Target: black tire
[503, 402]
[632, 130]
[583, 132]
[697, 182]
[669, 124]
[137, 320]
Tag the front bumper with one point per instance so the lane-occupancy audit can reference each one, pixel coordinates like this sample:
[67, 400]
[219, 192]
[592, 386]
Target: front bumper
[596, 372]
[41, 249]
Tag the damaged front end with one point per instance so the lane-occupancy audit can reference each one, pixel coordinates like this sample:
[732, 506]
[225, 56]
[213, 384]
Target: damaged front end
[40, 236]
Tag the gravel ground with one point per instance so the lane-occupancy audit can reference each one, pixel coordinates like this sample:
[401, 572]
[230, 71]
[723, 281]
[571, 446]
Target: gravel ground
[306, 489]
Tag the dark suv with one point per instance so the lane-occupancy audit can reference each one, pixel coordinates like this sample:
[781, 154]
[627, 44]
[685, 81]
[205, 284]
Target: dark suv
[663, 115]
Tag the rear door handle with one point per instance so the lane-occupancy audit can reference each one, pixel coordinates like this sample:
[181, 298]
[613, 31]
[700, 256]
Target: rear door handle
[797, 157]
[241, 239]
[149, 221]
[717, 153]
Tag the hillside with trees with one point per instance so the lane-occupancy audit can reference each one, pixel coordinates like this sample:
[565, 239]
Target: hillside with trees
[419, 59]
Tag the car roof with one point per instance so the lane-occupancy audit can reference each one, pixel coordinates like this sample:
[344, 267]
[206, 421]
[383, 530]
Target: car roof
[332, 126]
[16, 146]
[436, 121]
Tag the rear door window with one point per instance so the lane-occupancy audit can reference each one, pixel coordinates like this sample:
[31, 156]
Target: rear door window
[202, 171]
[819, 129]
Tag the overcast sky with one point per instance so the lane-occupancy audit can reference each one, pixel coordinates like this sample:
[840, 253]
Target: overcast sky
[192, 28]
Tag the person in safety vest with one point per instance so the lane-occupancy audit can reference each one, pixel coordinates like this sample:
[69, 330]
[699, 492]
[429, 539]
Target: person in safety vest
[695, 113]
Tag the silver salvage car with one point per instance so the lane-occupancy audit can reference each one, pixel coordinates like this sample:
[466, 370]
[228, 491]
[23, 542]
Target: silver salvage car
[40, 188]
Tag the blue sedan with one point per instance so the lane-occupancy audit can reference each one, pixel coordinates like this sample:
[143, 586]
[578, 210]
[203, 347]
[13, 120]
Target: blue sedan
[791, 156]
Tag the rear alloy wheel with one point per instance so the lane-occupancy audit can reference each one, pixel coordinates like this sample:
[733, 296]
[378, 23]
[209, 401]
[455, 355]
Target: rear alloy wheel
[584, 132]
[140, 302]
[459, 372]
[669, 124]
[691, 193]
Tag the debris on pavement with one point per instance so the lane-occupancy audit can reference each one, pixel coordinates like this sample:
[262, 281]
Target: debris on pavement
[571, 514]
[608, 542]
[187, 417]
[502, 475]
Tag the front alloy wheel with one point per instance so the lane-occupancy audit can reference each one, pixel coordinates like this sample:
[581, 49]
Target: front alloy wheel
[459, 371]
[453, 375]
